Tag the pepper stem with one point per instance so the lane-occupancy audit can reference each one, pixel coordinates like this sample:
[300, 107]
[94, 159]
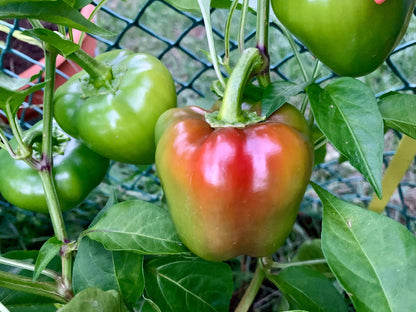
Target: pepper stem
[262, 39]
[249, 63]
[253, 288]
[100, 74]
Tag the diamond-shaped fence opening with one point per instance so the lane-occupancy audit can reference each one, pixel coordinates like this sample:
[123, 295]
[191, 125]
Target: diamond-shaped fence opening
[178, 39]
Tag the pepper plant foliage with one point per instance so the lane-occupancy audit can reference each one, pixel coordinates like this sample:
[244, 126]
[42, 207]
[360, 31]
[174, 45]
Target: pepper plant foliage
[133, 258]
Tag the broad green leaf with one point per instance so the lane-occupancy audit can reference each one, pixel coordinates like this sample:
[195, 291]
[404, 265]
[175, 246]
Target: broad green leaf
[146, 305]
[309, 289]
[14, 84]
[192, 5]
[112, 200]
[139, 226]
[128, 269]
[179, 284]
[10, 93]
[312, 250]
[278, 93]
[53, 11]
[47, 307]
[320, 140]
[96, 266]
[64, 46]
[399, 113]
[47, 252]
[346, 111]
[78, 4]
[372, 256]
[94, 300]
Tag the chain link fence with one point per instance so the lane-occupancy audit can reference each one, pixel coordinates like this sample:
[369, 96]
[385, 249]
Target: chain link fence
[178, 39]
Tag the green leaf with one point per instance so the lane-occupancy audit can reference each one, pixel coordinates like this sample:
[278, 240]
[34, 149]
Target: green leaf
[372, 256]
[94, 300]
[309, 289]
[278, 93]
[64, 46]
[10, 93]
[138, 226]
[399, 113]
[78, 4]
[53, 11]
[179, 284]
[112, 200]
[319, 139]
[47, 252]
[185, 5]
[96, 266]
[47, 307]
[346, 111]
[146, 305]
[312, 250]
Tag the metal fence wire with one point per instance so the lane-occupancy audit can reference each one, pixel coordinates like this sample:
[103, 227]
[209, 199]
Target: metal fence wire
[178, 39]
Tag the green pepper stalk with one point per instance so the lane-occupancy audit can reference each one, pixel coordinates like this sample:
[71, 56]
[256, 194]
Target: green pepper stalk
[262, 38]
[230, 113]
[45, 171]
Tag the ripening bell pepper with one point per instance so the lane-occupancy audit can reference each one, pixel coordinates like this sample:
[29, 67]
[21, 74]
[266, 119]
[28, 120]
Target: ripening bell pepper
[233, 190]
[354, 37]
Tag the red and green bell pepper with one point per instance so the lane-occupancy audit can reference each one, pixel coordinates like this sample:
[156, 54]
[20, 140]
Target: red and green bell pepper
[117, 120]
[235, 189]
[353, 38]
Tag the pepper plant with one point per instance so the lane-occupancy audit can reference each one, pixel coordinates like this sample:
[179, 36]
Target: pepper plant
[233, 176]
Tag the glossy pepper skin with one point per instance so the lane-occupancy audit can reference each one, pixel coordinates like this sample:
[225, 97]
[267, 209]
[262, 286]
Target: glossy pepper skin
[352, 37]
[76, 172]
[118, 124]
[233, 191]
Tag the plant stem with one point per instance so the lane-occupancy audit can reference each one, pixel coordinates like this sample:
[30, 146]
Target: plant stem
[262, 39]
[227, 33]
[46, 168]
[28, 266]
[249, 63]
[405, 154]
[22, 152]
[25, 284]
[243, 19]
[100, 74]
[205, 10]
[278, 265]
[294, 47]
[252, 289]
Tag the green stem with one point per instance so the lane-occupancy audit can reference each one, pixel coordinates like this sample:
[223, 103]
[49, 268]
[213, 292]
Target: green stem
[278, 265]
[399, 164]
[294, 47]
[100, 74]
[94, 12]
[28, 266]
[25, 284]
[262, 39]
[252, 289]
[46, 168]
[243, 19]
[248, 64]
[227, 33]
[205, 10]
[23, 152]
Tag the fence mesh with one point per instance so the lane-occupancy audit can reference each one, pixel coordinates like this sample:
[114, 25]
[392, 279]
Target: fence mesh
[178, 39]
